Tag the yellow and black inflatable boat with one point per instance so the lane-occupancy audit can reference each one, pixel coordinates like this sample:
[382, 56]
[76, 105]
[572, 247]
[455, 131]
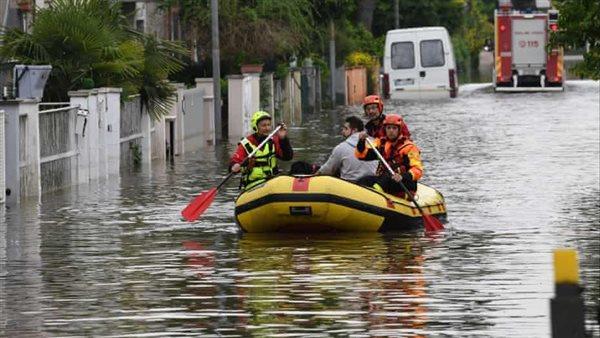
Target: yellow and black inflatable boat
[325, 203]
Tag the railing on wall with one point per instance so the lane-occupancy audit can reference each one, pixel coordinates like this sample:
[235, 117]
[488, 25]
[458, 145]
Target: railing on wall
[58, 148]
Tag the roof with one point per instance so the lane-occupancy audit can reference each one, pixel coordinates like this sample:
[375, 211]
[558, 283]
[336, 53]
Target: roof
[417, 29]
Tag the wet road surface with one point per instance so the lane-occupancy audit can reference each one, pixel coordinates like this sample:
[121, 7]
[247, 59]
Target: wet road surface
[520, 173]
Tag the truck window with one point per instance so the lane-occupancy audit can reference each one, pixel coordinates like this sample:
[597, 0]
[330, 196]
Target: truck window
[432, 53]
[403, 55]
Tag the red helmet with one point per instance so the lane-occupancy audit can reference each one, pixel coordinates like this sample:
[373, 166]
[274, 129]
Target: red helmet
[373, 99]
[393, 119]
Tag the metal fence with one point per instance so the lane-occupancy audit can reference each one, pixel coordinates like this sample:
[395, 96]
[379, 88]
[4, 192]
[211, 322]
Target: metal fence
[131, 131]
[58, 149]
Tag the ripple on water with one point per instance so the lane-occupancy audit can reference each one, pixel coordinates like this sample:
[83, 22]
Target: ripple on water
[520, 175]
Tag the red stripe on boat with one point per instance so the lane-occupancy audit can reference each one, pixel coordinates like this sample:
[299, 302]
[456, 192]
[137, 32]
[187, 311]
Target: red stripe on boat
[300, 184]
[390, 203]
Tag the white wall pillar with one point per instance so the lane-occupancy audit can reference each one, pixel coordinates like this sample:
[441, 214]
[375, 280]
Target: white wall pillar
[111, 128]
[235, 124]
[205, 83]
[208, 121]
[254, 80]
[30, 172]
[97, 164]
[84, 141]
[244, 100]
[297, 98]
[11, 151]
[270, 106]
[147, 137]
[179, 122]
[159, 150]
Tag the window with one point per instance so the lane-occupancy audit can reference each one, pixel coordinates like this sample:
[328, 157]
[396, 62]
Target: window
[432, 53]
[403, 55]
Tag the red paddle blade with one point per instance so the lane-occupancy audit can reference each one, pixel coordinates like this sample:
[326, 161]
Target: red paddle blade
[198, 205]
[431, 223]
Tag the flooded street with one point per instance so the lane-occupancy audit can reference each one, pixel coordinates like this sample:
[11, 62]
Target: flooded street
[520, 174]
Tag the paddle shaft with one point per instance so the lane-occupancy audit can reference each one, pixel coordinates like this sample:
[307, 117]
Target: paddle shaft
[412, 197]
[251, 154]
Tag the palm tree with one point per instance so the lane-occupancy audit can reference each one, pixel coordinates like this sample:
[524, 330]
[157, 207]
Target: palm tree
[89, 44]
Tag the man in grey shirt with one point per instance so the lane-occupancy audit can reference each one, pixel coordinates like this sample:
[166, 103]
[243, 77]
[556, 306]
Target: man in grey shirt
[342, 160]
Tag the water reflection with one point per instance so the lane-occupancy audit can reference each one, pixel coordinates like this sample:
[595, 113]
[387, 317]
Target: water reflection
[520, 174]
[21, 264]
[345, 284]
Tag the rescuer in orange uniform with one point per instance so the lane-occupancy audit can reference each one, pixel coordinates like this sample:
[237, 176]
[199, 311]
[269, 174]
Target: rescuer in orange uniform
[400, 153]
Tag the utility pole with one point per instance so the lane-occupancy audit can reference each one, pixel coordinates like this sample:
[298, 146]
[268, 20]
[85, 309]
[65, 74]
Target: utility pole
[397, 14]
[216, 63]
[332, 60]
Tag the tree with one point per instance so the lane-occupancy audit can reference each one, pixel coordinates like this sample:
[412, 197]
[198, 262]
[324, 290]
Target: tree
[366, 9]
[579, 25]
[88, 44]
[249, 31]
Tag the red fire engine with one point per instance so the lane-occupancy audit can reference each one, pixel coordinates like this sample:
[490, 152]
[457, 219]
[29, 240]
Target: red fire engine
[523, 62]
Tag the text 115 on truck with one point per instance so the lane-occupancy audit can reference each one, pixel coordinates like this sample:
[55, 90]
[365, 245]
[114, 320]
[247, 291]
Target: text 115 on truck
[522, 59]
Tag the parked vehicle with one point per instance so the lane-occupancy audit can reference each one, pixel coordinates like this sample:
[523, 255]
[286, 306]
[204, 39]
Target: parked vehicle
[419, 63]
[523, 62]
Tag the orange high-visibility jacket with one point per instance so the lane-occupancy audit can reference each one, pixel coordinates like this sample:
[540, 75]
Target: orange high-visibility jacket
[402, 155]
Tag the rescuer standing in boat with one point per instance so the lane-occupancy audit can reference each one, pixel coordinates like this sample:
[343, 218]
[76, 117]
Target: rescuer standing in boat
[373, 107]
[401, 154]
[263, 165]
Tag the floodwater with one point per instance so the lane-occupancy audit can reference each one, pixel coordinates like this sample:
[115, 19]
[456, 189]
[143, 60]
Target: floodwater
[520, 173]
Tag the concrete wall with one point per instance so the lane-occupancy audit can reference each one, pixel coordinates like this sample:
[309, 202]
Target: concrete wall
[109, 98]
[22, 152]
[159, 146]
[99, 144]
[267, 93]
[30, 151]
[206, 84]
[244, 100]
[90, 137]
[292, 99]
[196, 119]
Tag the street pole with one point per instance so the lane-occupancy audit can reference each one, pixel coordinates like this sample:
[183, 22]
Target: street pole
[332, 61]
[397, 14]
[216, 63]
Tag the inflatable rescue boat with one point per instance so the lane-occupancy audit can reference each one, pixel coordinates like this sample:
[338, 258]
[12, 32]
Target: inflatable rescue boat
[330, 204]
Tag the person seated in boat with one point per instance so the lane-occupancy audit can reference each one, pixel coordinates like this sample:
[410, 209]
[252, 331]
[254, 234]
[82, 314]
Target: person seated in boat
[373, 107]
[342, 161]
[263, 165]
[400, 152]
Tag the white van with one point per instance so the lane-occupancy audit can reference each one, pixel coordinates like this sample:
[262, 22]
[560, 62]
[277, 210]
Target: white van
[418, 63]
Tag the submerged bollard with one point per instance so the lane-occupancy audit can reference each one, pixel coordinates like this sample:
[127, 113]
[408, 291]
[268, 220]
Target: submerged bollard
[566, 308]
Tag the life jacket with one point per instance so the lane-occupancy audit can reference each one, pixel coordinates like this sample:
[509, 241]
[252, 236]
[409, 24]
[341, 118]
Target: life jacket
[398, 155]
[265, 164]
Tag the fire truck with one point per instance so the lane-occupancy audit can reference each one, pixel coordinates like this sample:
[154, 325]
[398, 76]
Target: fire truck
[522, 59]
